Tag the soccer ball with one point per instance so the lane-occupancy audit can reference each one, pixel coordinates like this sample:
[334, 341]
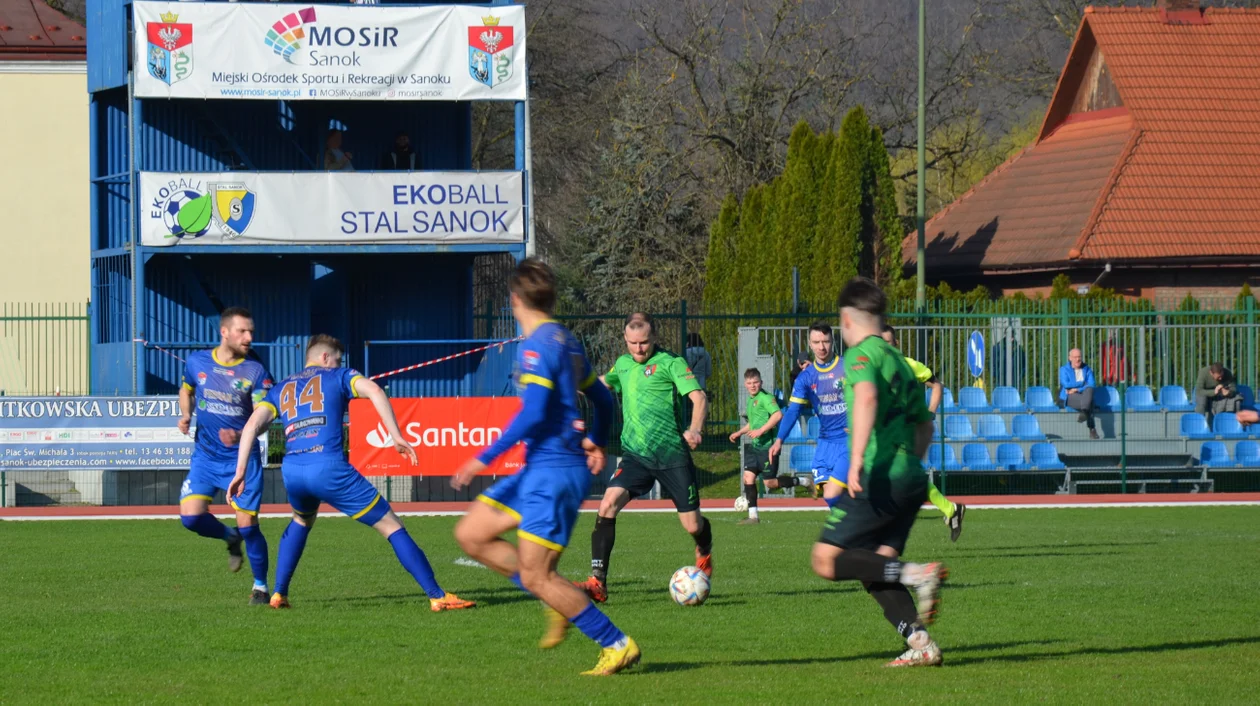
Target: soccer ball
[175, 221]
[689, 586]
[741, 504]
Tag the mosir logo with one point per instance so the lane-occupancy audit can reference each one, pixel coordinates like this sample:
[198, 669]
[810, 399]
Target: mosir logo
[416, 435]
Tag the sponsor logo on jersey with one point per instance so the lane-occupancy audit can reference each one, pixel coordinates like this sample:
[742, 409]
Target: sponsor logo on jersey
[530, 359]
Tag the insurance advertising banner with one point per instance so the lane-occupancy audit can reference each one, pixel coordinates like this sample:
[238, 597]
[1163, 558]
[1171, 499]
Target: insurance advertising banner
[273, 208]
[92, 434]
[220, 50]
[444, 431]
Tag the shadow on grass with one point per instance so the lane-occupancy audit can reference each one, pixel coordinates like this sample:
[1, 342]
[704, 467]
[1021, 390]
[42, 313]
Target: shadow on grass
[1102, 651]
[664, 667]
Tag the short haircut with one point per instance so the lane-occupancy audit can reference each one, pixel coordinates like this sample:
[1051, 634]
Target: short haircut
[752, 373]
[863, 294]
[821, 327]
[890, 330]
[226, 316]
[639, 321]
[323, 340]
[535, 283]
[1217, 368]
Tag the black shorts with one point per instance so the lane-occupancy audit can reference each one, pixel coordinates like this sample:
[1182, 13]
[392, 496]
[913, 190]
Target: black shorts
[870, 523]
[755, 459]
[678, 481]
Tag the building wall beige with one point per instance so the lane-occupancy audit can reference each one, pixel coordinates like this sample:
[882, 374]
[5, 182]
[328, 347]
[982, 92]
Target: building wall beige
[44, 233]
[44, 193]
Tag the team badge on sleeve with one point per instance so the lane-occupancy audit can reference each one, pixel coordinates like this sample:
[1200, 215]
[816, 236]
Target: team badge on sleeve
[530, 360]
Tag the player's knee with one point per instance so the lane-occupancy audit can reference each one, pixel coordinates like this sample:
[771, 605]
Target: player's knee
[823, 560]
[691, 522]
[388, 524]
[189, 522]
[609, 507]
[534, 578]
[468, 537]
[749, 477]
[304, 520]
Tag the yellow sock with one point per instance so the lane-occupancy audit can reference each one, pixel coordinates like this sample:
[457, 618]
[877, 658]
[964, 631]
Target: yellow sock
[941, 502]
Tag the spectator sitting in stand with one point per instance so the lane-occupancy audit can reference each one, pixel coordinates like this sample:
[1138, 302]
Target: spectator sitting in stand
[1216, 391]
[401, 157]
[1076, 383]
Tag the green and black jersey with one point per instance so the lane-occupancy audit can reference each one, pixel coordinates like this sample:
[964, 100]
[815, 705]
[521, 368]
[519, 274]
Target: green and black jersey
[651, 402]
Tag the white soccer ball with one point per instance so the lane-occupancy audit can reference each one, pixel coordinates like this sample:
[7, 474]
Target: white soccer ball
[689, 586]
[741, 504]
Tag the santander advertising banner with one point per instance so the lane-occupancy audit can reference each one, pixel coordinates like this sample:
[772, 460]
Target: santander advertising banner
[445, 432]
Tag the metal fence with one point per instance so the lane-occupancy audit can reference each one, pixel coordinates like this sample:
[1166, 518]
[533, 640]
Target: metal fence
[44, 349]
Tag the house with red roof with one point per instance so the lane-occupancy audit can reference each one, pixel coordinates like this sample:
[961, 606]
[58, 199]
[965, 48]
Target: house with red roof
[1145, 176]
[44, 184]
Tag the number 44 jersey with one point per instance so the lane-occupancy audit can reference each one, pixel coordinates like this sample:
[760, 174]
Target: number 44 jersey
[312, 405]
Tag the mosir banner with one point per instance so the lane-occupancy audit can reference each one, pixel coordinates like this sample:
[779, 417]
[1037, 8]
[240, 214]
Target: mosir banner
[271, 208]
[328, 52]
[445, 432]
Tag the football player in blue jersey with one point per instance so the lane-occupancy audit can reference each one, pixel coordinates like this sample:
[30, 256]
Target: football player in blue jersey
[821, 386]
[223, 384]
[541, 502]
[311, 405]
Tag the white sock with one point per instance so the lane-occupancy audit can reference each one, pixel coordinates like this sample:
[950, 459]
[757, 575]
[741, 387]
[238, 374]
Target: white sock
[260, 586]
[752, 512]
[911, 574]
[919, 640]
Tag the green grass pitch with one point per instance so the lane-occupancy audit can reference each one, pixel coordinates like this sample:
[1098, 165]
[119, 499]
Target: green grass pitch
[1070, 606]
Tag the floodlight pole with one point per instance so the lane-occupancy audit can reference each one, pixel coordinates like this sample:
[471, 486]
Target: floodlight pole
[920, 289]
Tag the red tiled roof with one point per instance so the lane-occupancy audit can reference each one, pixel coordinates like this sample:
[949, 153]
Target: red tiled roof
[31, 30]
[1174, 175]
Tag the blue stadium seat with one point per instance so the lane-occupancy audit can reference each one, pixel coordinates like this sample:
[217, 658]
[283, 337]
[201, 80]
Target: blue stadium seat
[1225, 426]
[1006, 399]
[976, 458]
[1139, 398]
[1107, 398]
[1044, 457]
[1173, 399]
[934, 458]
[1214, 455]
[1040, 399]
[813, 428]
[803, 459]
[1248, 396]
[947, 401]
[1247, 453]
[972, 399]
[1194, 426]
[991, 426]
[1025, 427]
[958, 428]
[1010, 457]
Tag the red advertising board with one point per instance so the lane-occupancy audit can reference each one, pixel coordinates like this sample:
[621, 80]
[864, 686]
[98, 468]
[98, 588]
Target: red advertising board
[444, 431]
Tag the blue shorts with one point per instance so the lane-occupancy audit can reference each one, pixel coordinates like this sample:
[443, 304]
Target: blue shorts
[208, 475]
[544, 498]
[831, 461]
[315, 478]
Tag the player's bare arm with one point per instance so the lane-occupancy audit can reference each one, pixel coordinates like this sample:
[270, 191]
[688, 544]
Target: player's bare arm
[693, 436]
[938, 391]
[862, 422]
[185, 408]
[380, 402]
[738, 433]
[255, 426]
[765, 428]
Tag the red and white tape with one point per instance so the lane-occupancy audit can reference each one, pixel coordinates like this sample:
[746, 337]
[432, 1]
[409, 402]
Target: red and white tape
[443, 359]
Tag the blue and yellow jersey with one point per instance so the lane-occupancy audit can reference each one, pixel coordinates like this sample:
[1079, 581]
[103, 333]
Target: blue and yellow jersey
[224, 396]
[820, 387]
[550, 370]
[311, 406]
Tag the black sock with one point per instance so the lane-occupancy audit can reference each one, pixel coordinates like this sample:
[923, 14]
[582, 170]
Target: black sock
[704, 538]
[865, 565]
[787, 482]
[898, 605]
[602, 545]
[750, 494]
